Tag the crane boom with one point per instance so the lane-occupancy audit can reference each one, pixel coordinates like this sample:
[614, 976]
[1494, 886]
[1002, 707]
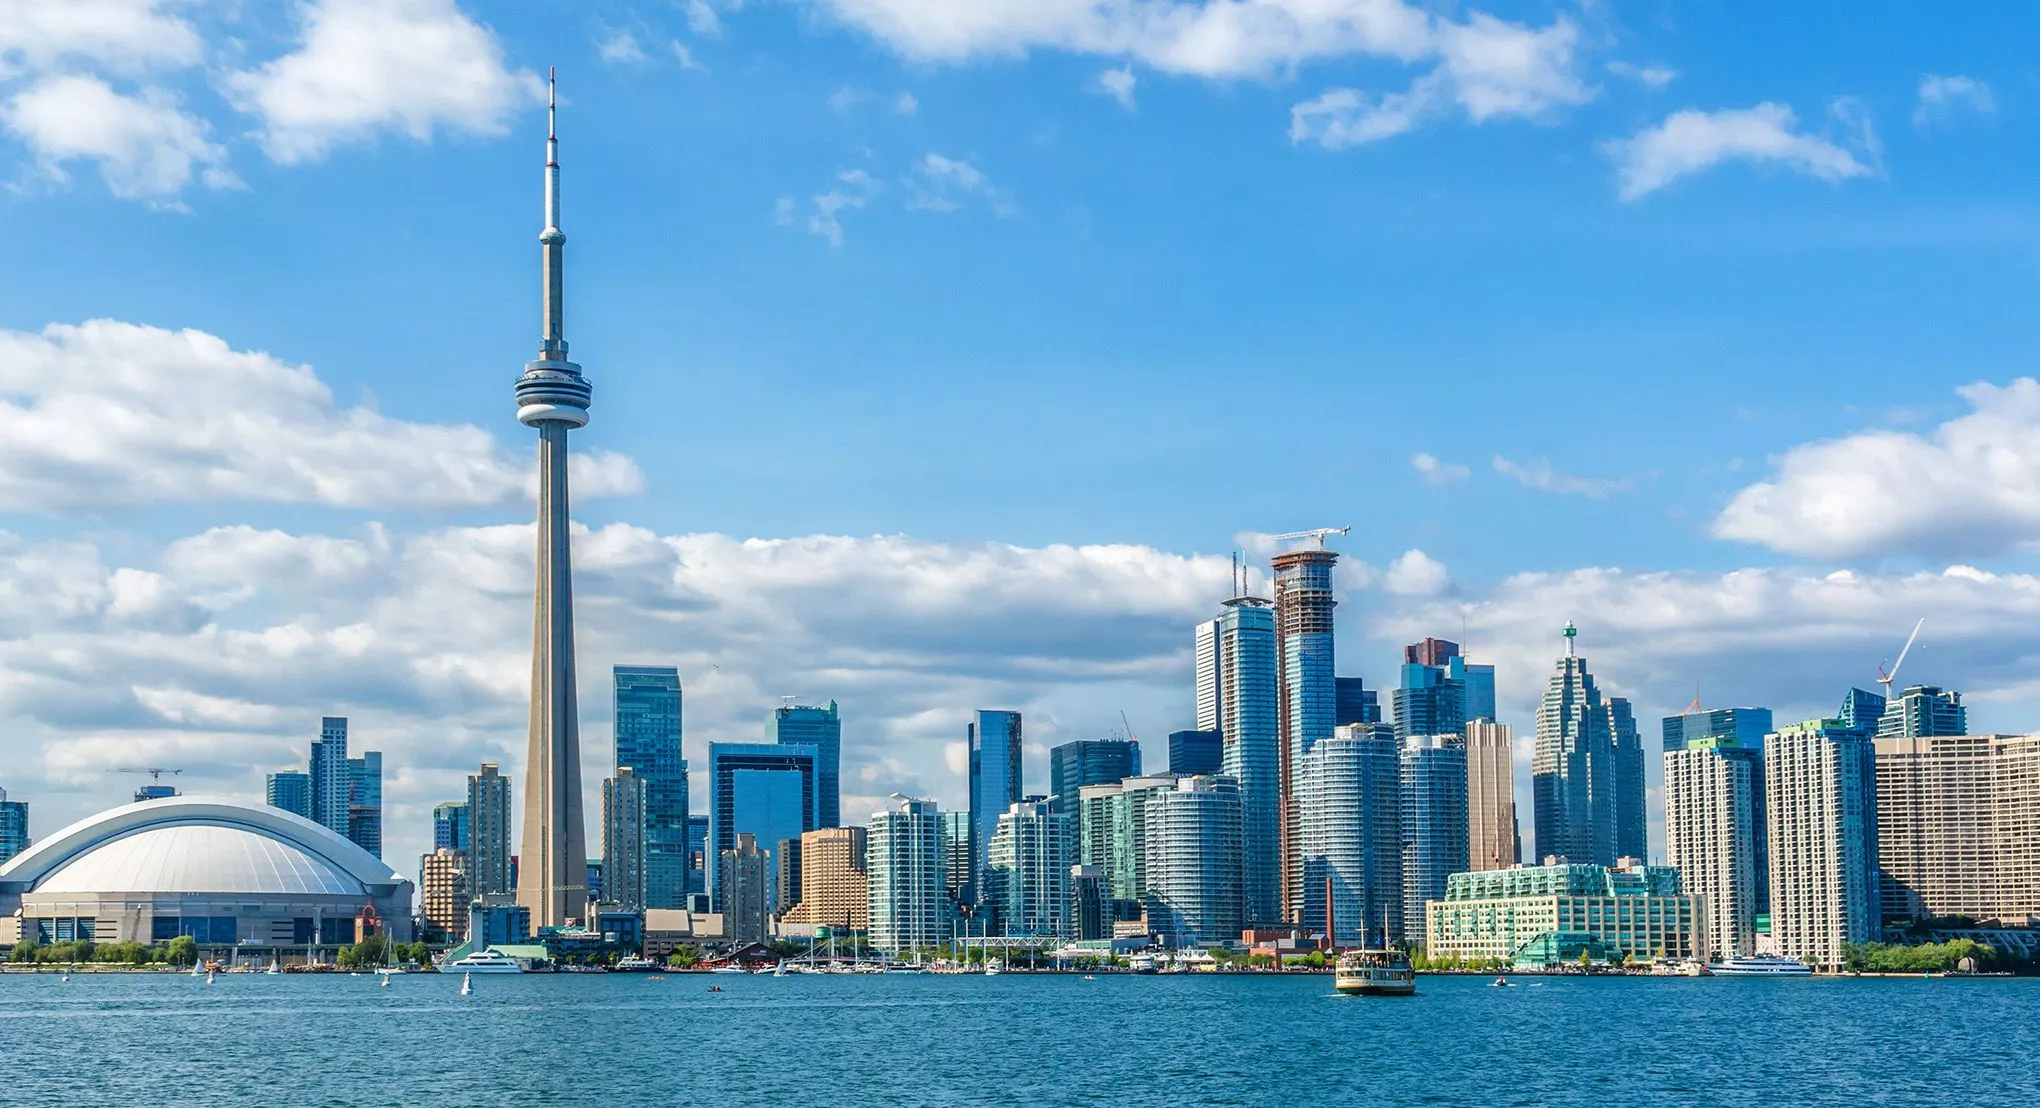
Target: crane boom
[1886, 679]
[1317, 533]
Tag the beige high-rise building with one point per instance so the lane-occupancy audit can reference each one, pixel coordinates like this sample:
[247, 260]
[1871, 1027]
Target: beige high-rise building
[1714, 829]
[1958, 827]
[444, 891]
[1820, 808]
[1491, 839]
[834, 890]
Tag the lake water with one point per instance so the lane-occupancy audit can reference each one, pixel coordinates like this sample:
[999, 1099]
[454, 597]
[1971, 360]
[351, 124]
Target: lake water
[1013, 1040]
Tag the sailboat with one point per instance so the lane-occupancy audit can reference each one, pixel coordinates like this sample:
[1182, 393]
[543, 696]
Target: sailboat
[273, 971]
[467, 984]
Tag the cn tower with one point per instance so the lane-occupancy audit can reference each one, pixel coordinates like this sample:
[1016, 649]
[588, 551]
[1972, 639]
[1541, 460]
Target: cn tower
[552, 877]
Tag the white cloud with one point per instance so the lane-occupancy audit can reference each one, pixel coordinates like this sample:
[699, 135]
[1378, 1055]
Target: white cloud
[1690, 141]
[127, 36]
[852, 189]
[1118, 84]
[146, 146]
[367, 66]
[1491, 68]
[1652, 77]
[944, 184]
[685, 56]
[1435, 472]
[1344, 117]
[619, 46]
[1971, 486]
[107, 414]
[1540, 476]
[703, 20]
[905, 104]
[1943, 98]
[1416, 573]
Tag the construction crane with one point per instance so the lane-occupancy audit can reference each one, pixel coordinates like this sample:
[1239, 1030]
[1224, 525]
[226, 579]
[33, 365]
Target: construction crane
[1317, 533]
[155, 772]
[157, 790]
[1885, 679]
[1129, 726]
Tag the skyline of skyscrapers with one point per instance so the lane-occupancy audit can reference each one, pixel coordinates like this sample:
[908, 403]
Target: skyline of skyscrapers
[649, 727]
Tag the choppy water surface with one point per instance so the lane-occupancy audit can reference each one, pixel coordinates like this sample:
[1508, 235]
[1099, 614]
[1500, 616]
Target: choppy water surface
[1013, 1040]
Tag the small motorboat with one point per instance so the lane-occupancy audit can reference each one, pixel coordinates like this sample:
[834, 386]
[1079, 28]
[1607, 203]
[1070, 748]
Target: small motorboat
[1501, 983]
[715, 988]
[1090, 977]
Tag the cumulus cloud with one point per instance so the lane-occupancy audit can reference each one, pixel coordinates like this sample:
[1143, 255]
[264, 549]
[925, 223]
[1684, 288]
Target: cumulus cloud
[363, 67]
[620, 46]
[1943, 98]
[943, 184]
[106, 414]
[1344, 117]
[1416, 573]
[1488, 67]
[1649, 76]
[1971, 486]
[1540, 476]
[1692, 141]
[146, 146]
[1435, 472]
[128, 36]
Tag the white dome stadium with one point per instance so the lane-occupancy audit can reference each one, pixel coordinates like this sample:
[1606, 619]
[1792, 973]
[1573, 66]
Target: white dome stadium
[221, 871]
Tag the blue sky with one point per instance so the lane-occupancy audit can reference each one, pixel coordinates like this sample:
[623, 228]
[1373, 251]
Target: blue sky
[993, 325]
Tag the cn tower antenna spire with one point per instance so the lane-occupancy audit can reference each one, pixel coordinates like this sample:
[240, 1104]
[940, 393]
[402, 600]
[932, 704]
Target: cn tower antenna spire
[553, 343]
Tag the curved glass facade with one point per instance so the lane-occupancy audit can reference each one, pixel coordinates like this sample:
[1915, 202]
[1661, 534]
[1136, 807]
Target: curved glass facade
[1195, 862]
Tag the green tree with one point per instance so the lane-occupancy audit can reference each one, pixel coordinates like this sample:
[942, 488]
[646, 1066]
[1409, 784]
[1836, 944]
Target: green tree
[25, 952]
[183, 951]
[684, 957]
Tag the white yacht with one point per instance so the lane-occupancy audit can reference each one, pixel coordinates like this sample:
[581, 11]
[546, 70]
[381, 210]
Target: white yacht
[636, 963]
[1760, 965]
[484, 961]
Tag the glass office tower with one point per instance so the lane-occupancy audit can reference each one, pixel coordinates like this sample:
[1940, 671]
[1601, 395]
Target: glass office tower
[648, 733]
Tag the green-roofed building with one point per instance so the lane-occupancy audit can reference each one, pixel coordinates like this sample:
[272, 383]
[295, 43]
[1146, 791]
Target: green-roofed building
[1544, 915]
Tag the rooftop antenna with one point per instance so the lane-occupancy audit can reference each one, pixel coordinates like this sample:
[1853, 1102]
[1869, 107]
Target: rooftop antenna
[1570, 632]
[1885, 679]
[790, 700]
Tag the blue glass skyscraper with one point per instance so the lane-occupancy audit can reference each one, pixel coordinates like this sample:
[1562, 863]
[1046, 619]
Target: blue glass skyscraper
[1434, 821]
[1440, 692]
[1742, 728]
[770, 791]
[1193, 753]
[1073, 765]
[450, 827]
[330, 778]
[364, 801]
[1238, 696]
[648, 732]
[13, 826]
[1308, 699]
[290, 791]
[821, 728]
[1356, 702]
[993, 738]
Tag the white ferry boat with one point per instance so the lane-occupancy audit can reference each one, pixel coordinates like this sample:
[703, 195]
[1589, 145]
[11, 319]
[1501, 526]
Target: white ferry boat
[1375, 973]
[637, 964]
[1760, 965]
[483, 961]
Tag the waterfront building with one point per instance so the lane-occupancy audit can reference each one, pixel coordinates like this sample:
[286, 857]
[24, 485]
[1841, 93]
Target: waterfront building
[1714, 837]
[1923, 711]
[742, 878]
[497, 922]
[821, 728]
[1350, 796]
[1193, 865]
[332, 783]
[956, 871]
[697, 857]
[1493, 839]
[1090, 904]
[1238, 695]
[1355, 702]
[1746, 727]
[1433, 800]
[290, 791]
[1820, 798]
[553, 397]
[1538, 916]
[1587, 770]
[626, 800]
[1196, 752]
[1073, 765]
[1130, 831]
[1027, 870]
[450, 826]
[993, 741]
[1958, 828]
[364, 801]
[1308, 697]
[907, 907]
[229, 875]
[834, 883]
[785, 876]
[444, 892]
[488, 806]
[649, 710]
[1096, 829]
[770, 791]
[13, 827]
